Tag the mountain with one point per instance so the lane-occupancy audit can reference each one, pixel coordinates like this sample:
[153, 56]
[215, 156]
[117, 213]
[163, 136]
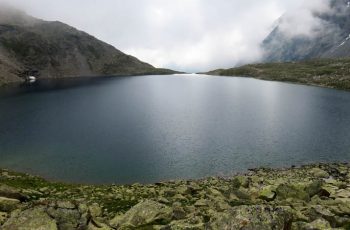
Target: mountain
[53, 49]
[302, 35]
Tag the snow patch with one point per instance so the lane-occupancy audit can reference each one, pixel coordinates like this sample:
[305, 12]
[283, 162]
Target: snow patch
[346, 39]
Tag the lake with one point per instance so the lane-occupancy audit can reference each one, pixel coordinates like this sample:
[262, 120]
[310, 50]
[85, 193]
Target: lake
[154, 128]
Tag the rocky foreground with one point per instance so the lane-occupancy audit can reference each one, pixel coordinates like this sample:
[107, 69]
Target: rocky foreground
[309, 197]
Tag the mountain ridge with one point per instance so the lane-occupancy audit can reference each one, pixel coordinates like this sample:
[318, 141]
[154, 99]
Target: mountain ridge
[328, 38]
[52, 49]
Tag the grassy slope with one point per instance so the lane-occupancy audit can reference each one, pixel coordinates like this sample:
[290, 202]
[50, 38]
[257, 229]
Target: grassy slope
[332, 73]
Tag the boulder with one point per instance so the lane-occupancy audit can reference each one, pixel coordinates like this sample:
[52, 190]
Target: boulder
[30, 219]
[179, 197]
[143, 214]
[10, 192]
[242, 193]
[267, 193]
[66, 218]
[320, 173]
[183, 190]
[252, 217]
[65, 205]
[240, 181]
[95, 210]
[179, 213]
[8, 204]
[318, 224]
[285, 191]
[342, 193]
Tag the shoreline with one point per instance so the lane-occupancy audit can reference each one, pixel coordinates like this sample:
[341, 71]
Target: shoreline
[281, 81]
[325, 73]
[313, 196]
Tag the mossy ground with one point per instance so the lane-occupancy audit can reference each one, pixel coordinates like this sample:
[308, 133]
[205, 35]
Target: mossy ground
[332, 73]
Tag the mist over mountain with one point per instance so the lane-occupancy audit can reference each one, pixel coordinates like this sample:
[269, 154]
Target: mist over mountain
[319, 30]
[54, 49]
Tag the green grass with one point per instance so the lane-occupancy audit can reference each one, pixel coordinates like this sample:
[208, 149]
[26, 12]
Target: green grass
[333, 73]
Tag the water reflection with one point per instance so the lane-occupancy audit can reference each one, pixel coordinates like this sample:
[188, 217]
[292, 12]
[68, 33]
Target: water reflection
[146, 129]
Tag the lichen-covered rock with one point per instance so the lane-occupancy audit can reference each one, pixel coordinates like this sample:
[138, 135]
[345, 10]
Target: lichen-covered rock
[320, 173]
[3, 217]
[319, 224]
[95, 225]
[314, 188]
[144, 213]
[343, 193]
[30, 219]
[201, 203]
[183, 190]
[95, 210]
[252, 217]
[285, 191]
[8, 204]
[179, 213]
[267, 193]
[259, 199]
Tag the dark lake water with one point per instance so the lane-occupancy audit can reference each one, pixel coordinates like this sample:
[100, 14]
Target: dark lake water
[154, 128]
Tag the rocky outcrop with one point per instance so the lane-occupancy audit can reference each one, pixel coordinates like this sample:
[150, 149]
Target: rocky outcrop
[307, 197]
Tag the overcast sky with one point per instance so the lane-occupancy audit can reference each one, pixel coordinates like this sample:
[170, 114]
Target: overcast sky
[188, 35]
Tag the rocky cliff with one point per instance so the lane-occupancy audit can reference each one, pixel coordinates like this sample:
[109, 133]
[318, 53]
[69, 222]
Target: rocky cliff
[30, 46]
[308, 197]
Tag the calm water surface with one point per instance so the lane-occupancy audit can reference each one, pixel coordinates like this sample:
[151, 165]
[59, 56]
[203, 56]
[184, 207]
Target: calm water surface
[153, 128]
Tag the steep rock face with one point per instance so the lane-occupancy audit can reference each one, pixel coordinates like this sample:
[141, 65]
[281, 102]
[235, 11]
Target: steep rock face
[54, 49]
[327, 34]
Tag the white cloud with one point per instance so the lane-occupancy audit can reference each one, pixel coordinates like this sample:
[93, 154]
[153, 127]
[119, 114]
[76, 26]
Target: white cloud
[188, 35]
[302, 21]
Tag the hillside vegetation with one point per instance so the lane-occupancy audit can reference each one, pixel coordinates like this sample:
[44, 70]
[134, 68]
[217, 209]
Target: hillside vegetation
[332, 73]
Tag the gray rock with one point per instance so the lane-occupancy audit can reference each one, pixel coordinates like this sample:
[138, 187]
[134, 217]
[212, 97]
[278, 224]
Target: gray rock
[267, 193]
[30, 219]
[10, 192]
[3, 217]
[317, 172]
[201, 203]
[66, 218]
[285, 191]
[8, 204]
[144, 213]
[95, 225]
[95, 210]
[252, 217]
[318, 224]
